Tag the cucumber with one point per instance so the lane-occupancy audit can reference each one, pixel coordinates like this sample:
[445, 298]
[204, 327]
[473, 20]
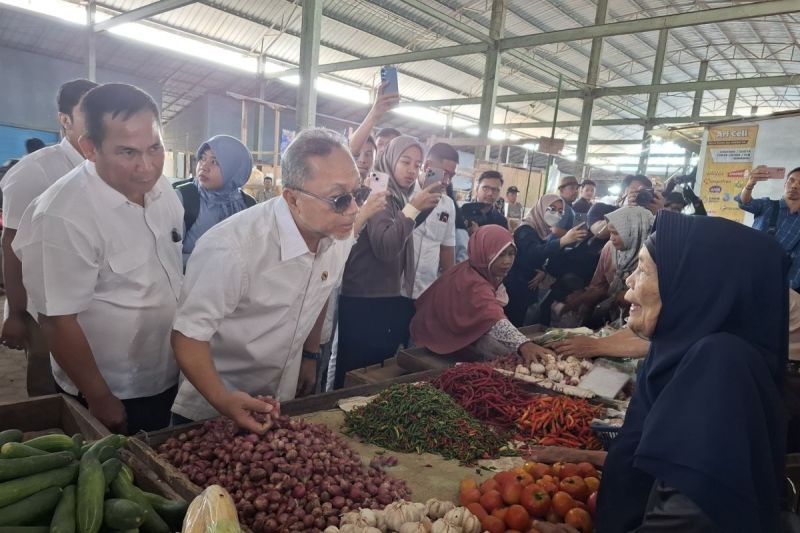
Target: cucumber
[10, 435]
[121, 487]
[127, 473]
[118, 531]
[25, 466]
[90, 493]
[172, 511]
[15, 450]
[115, 441]
[17, 489]
[64, 516]
[51, 443]
[29, 509]
[122, 514]
[111, 469]
[77, 443]
[106, 453]
[24, 529]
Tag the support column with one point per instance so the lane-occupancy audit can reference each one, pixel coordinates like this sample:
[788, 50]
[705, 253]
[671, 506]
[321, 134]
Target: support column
[491, 71]
[258, 142]
[698, 95]
[652, 101]
[729, 110]
[309, 64]
[591, 81]
[91, 53]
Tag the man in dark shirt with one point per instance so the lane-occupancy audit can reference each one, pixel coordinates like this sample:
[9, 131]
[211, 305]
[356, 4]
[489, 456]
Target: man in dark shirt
[568, 191]
[490, 183]
[584, 203]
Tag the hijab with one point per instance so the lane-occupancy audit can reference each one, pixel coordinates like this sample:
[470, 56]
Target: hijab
[633, 225]
[535, 218]
[462, 305]
[389, 158]
[707, 416]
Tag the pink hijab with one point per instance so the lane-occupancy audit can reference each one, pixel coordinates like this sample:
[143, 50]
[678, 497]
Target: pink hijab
[462, 305]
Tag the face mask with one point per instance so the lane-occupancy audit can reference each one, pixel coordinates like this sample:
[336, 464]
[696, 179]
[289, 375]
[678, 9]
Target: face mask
[551, 219]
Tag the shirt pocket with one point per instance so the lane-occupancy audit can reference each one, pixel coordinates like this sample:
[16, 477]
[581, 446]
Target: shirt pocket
[125, 262]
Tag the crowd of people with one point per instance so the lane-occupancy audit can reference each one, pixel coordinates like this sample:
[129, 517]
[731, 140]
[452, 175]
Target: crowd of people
[161, 305]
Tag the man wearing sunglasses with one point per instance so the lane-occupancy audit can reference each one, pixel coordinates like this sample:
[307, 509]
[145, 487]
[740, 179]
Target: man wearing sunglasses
[253, 303]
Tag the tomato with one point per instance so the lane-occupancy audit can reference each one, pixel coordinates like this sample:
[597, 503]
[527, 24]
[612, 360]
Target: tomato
[477, 509]
[493, 525]
[580, 520]
[491, 501]
[587, 470]
[504, 478]
[518, 518]
[489, 484]
[511, 493]
[549, 486]
[575, 487]
[562, 502]
[467, 484]
[469, 496]
[535, 500]
[568, 470]
[592, 483]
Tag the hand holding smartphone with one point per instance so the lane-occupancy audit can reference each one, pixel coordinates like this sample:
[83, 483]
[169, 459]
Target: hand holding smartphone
[433, 176]
[377, 181]
[389, 75]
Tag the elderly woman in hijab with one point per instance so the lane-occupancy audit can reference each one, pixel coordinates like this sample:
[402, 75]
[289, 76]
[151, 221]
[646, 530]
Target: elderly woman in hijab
[628, 228]
[373, 316]
[702, 446]
[535, 244]
[465, 305]
[223, 167]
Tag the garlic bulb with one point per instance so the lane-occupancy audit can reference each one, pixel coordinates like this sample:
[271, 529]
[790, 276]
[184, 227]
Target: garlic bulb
[587, 364]
[364, 518]
[550, 367]
[400, 512]
[561, 365]
[548, 358]
[555, 375]
[537, 368]
[574, 381]
[461, 517]
[417, 527]
[443, 526]
[331, 529]
[572, 359]
[436, 509]
[573, 369]
[522, 369]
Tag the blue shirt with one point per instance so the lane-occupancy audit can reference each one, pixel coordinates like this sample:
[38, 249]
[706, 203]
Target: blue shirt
[568, 218]
[787, 229]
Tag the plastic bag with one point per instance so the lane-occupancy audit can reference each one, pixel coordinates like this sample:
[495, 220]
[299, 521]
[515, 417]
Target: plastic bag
[213, 511]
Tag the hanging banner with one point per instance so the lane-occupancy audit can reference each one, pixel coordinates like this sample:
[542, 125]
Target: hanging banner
[728, 159]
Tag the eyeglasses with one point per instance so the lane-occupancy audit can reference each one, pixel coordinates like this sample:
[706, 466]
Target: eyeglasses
[551, 209]
[341, 203]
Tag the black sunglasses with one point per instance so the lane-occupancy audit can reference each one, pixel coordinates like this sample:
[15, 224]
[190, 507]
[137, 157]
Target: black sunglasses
[341, 203]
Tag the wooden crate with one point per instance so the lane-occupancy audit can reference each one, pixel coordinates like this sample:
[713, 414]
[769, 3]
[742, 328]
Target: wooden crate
[372, 374]
[56, 413]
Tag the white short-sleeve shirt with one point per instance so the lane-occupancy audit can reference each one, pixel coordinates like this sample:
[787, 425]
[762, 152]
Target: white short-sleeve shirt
[87, 250]
[438, 230]
[33, 175]
[254, 291]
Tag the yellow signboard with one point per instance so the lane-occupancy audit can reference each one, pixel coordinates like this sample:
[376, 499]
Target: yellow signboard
[728, 159]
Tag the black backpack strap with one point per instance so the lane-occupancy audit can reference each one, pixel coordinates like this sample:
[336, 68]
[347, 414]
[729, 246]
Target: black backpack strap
[773, 217]
[249, 201]
[190, 198]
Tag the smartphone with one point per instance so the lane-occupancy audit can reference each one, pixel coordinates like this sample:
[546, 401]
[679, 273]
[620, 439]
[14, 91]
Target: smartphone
[377, 181]
[389, 74]
[776, 173]
[433, 176]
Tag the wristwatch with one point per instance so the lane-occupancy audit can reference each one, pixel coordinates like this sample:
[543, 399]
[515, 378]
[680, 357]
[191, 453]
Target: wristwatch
[314, 356]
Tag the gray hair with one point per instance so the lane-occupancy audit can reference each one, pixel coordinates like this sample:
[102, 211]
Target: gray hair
[295, 170]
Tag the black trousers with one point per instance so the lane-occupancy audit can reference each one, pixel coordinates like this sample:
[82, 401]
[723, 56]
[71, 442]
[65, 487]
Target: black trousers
[148, 413]
[370, 330]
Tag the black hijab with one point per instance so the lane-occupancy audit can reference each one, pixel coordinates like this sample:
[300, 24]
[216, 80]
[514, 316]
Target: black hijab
[707, 417]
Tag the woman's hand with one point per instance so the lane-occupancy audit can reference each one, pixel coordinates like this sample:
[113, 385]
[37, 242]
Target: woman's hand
[376, 202]
[574, 301]
[576, 234]
[532, 352]
[427, 198]
[580, 347]
[537, 280]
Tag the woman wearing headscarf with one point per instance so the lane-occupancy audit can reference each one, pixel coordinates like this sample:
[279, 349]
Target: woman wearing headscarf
[373, 316]
[223, 167]
[466, 303]
[702, 446]
[535, 244]
[628, 228]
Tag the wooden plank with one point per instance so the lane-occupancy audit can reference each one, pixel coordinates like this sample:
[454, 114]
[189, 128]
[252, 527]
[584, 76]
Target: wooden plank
[162, 471]
[50, 413]
[77, 419]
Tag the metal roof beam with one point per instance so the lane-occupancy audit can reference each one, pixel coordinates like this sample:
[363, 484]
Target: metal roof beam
[611, 122]
[491, 70]
[150, 10]
[309, 62]
[693, 18]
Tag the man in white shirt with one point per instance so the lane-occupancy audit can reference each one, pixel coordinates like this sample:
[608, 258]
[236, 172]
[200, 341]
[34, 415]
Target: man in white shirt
[435, 237]
[25, 181]
[101, 257]
[253, 302]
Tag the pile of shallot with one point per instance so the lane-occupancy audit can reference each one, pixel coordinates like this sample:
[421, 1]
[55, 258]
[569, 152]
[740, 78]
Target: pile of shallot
[297, 476]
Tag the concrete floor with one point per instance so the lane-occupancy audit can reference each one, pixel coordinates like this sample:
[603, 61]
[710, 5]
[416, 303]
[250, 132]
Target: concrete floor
[12, 372]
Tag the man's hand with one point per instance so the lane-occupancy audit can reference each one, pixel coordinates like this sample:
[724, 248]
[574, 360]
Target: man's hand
[427, 198]
[14, 333]
[657, 204]
[532, 352]
[383, 103]
[307, 378]
[110, 412]
[580, 347]
[537, 279]
[238, 406]
[574, 301]
[760, 173]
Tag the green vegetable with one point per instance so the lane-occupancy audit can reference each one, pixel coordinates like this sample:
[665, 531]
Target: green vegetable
[119, 513]
[14, 450]
[420, 418]
[172, 511]
[77, 444]
[10, 435]
[25, 466]
[111, 469]
[89, 498]
[51, 443]
[122, 487]
[25, 529]
[64, 516]
[29, 509]
[17, 489]
[115, 441]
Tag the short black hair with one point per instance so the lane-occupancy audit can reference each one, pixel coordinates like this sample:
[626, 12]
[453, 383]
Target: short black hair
[674, 197]
[630, 178]
[490, 175]
[71, 93]
[442, 152]
[584, 183]
[116, 99]
[793, 171]
[268, 178]
[33, 144]
[388, 132]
